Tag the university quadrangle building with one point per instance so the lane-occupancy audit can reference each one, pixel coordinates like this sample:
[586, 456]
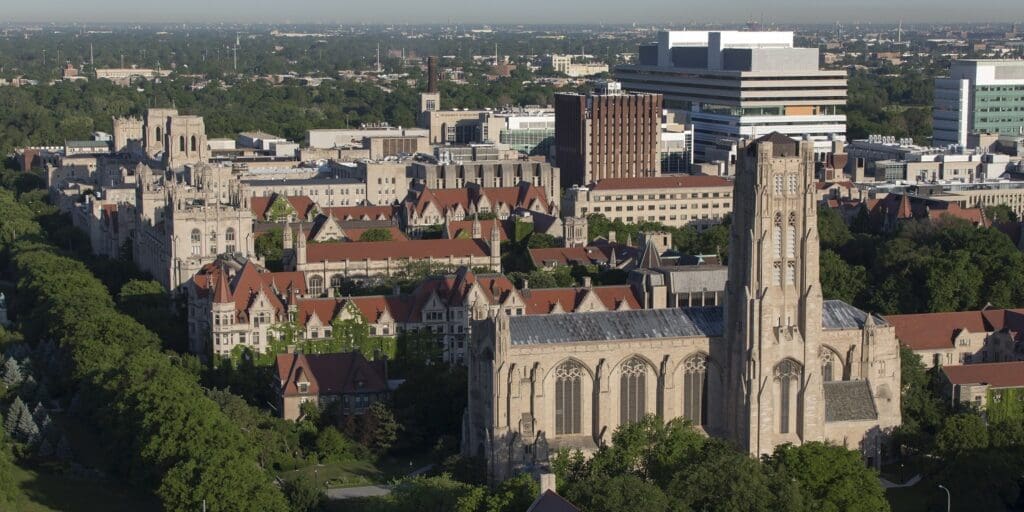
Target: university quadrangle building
[774, 364]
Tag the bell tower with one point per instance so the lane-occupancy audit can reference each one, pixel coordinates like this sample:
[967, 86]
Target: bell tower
[774, 304]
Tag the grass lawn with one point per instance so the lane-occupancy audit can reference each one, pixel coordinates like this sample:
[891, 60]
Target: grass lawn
[48, 492]
[352, 473]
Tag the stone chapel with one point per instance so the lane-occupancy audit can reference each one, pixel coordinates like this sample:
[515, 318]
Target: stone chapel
[774, 364]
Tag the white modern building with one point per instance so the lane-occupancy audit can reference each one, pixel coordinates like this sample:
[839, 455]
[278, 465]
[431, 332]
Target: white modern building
[742, 85]
[979, 96]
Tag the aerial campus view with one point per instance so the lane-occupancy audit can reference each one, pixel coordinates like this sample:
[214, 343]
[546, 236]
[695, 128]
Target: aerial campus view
[650, 256]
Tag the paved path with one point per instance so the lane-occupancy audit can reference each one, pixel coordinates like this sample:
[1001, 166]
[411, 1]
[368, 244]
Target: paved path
[367, 491]
[909, 483]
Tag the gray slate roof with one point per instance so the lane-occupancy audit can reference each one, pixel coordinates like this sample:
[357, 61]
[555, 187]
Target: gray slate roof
[836, 314]
[849, 401]
[616, 325]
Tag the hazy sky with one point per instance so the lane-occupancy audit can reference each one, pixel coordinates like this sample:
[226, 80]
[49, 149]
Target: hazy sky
[512, 11]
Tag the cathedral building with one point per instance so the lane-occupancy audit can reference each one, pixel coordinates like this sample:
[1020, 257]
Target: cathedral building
[774, 363]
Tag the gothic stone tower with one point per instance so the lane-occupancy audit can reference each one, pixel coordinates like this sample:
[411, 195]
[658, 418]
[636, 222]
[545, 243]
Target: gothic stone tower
[774, 305]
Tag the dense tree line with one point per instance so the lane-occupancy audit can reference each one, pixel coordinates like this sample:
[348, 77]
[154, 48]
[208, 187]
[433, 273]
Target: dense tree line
[944, 264]
[656, 466]
[896, 104]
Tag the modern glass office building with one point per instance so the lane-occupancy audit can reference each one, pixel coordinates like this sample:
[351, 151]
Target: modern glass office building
[979, 96]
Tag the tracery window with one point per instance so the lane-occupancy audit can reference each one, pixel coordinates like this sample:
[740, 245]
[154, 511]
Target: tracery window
[787, 381]
[778, 184]
[791, 185]
[197, 240]
[791, 236]
[633, 391]
[827, 365]
[790, 272]
[695, 392]
[778, 235]
[568, 395]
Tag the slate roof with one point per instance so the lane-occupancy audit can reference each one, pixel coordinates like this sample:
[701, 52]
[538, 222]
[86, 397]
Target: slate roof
[616, 325]
[836, 314]
[551, 501]
[849, 400]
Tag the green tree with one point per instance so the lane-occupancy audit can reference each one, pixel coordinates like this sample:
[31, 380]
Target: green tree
[1000, 213]
[332, 446]
[832, 231]
[9, 493]
[832, 478]
[270, 246]
[724, 479]
[621, 492]
[303, 495]
[962, 433]
[376, 235]
[920, 408]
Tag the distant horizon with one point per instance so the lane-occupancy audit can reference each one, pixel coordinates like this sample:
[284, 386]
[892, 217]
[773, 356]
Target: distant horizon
[526, 12]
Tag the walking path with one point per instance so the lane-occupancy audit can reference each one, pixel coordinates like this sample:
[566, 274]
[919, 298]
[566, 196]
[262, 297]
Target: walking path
[367, 491]
[909, 483]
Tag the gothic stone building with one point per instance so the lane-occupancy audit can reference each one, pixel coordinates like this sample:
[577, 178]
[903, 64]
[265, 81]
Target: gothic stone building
[774, 364]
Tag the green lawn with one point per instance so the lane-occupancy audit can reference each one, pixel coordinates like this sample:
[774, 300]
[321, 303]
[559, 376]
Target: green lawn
[352, 473]
[48, 492]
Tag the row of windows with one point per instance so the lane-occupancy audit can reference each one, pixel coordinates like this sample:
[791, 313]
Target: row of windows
[631, 197]
[662, 218]
[662, 207]
[196, 237]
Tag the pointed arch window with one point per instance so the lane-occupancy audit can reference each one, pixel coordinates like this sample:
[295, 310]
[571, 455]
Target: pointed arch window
[787, 389]
[568, 398]
[633, 391]
[828, 362]
[181, 143]
[197, 242]
[159, 135]
[777, 272]
[791, 236]
[695, 390]
[193, 145]
[777, 235]
[790, 272]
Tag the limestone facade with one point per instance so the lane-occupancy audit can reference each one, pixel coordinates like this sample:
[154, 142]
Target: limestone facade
[774, 364]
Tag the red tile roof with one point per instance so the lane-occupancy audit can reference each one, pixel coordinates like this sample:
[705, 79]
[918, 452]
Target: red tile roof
[396, 250]
[931, 331]
[662, 182]
[260, 205]
[354, 234]
[541, 301]
[456, 227]
[361, 212]
[330, 374]
[997, 375]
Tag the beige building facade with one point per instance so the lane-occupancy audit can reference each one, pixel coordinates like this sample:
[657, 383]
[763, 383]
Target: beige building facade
[776, 364]
[675, 201]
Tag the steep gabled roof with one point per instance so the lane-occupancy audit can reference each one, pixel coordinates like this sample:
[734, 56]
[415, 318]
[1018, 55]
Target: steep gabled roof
[397, 250]
[330, 374]
[998, 375]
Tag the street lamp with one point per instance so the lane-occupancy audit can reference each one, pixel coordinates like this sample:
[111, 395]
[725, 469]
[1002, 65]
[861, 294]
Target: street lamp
[948, 497]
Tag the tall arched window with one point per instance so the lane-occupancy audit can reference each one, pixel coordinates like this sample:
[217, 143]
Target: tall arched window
[229, 240]
[633, 391]
[568, 398]
[181, 143]
[159, 135]
[193, 145]
[777, 235]
[213, 242]
[316, 286]
[197, 242]
[337, 280]
[787, 390]
[791, 236]
[695, 390]
[827, 365]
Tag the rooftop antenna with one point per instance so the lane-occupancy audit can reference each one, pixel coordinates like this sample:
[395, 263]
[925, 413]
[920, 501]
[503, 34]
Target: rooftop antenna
[378, 57]
[899, 33]
[92, 61]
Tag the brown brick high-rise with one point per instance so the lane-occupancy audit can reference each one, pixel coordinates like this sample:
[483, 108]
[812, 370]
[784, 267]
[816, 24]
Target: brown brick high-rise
[600, 136]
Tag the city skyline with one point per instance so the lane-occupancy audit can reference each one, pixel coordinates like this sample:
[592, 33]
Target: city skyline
[525, 11]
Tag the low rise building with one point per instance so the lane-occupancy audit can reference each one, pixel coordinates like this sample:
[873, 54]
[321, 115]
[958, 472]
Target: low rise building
[681, 200]
[986, 386]
[963, 337]
[324, 379]
[493, 174]
[429, 207]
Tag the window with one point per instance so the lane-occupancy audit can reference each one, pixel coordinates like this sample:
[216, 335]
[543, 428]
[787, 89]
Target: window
[778, 184]
[336, 281]
[791, 185]
[213, 242]
[303, 387]
[827, 365]
[790, 272]
[695, 378]
[197, 240]
[193, 146]
[787, 387]
[778, 235]
[777, 272]
[568, 395]
[632, 392]
[181, 143]
[229, 240]
[316, 286]
[791, 236]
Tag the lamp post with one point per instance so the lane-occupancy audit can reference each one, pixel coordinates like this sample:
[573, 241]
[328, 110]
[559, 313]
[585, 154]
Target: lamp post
[949, 498]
